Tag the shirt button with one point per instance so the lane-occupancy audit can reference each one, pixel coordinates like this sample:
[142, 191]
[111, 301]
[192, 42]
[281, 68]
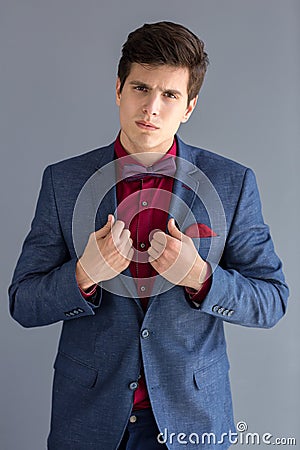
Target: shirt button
[142, 245]
[145, 334]
[133, 386]
[144, 203]
[132, 419]
[143, 288]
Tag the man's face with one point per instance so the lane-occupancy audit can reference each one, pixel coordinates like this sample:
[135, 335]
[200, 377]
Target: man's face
[153, 103]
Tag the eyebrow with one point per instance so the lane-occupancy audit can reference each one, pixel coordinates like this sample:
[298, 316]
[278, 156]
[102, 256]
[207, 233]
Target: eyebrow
[141, 83]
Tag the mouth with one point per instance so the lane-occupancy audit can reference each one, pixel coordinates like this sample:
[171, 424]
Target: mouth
[146, 125]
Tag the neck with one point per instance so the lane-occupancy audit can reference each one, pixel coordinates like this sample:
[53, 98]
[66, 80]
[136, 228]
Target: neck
[145, 157]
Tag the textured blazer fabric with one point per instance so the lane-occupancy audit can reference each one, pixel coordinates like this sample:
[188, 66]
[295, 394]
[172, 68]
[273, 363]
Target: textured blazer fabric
[103, 344]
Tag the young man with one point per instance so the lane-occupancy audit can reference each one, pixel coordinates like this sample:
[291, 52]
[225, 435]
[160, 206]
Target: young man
[144, 248]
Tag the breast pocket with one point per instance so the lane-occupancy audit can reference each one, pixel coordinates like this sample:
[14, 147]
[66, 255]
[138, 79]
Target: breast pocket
[210, 248]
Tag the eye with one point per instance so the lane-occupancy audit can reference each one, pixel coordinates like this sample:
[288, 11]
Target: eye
[170, 95]
[140, 88]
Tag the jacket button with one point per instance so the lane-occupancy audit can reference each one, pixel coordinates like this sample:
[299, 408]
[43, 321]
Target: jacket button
[145, 333]
[215, 308]
[133, 385]
[230, 313]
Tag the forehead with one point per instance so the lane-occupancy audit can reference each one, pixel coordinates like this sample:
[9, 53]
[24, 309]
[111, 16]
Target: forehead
[163, 77]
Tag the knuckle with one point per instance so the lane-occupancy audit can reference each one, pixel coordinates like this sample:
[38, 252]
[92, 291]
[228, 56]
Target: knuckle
[173, 245]
[126, 234]
[110, 240]
[120, 223]
[187, 239]
[159, 236]
[92, 236]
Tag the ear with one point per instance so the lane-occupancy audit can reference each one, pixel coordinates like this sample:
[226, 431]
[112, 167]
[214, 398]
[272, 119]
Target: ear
[118, 91]
[189, 109]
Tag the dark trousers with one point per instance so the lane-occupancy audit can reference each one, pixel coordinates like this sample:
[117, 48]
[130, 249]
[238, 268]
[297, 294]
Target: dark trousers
[141, 432]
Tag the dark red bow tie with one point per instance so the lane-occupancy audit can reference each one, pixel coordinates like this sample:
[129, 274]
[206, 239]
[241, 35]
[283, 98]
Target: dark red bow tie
[164, 167]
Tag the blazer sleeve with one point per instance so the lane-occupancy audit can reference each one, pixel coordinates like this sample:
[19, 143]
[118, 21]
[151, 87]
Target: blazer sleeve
[44, 289]
[248, 286]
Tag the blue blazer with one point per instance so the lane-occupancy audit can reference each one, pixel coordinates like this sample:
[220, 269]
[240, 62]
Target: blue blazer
[103, 344]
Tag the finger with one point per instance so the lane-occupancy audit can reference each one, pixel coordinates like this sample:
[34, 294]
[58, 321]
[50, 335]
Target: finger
[157, 246]
[117, 229]
[102, 232]
[154, 254]
[125, 247]
[173, 230]
[125, 242]
[127, 252]
[130, 254]
[125, 235]
[154, 262]
[111, 219]
[152, 233]
[160, 237]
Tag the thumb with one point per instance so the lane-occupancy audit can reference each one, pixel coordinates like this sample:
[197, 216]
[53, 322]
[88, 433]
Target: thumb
[102, 232]
[173, 230]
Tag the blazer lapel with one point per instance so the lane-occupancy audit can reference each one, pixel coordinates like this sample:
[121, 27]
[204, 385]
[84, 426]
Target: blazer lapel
[104, 187]
[186, 184]
[184, 188]
[105, 202]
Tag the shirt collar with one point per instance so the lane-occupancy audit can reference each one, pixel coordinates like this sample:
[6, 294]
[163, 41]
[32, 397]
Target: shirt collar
[121, 152]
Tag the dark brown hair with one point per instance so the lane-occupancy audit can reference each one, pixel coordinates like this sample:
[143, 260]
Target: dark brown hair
[167, 43]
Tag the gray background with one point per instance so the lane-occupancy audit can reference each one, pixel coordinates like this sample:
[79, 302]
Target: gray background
[58, 66]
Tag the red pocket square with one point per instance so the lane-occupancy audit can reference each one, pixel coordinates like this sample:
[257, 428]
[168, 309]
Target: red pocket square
[199, 230]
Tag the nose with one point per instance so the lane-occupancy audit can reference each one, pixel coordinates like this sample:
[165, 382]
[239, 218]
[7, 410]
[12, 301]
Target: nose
[152, 105]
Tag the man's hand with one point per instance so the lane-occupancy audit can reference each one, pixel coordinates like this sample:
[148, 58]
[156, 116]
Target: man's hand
[107, 253]
[176, 258]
